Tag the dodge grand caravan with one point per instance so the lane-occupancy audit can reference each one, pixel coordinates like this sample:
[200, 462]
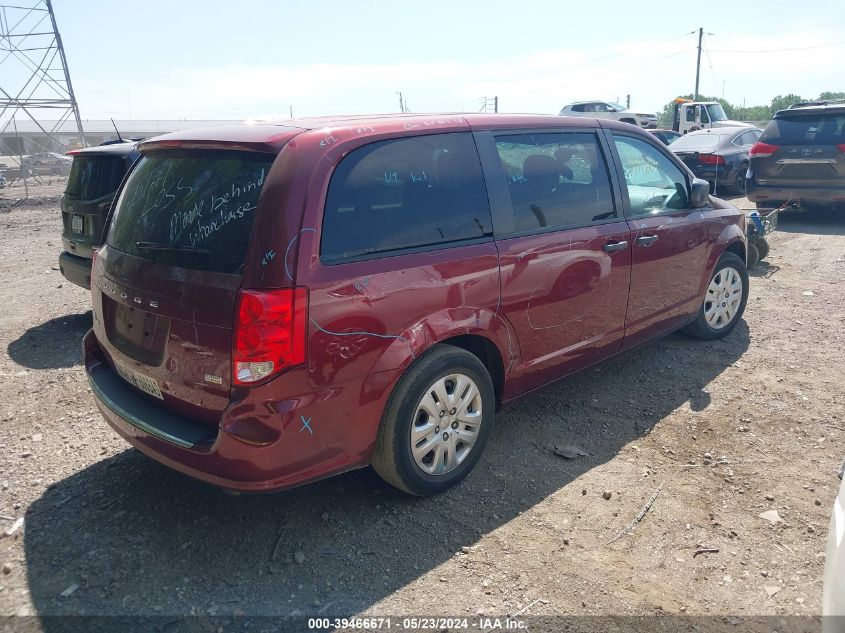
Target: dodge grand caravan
[274, 304]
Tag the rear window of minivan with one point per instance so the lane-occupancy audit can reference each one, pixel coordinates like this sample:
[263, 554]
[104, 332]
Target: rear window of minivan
[806, 129]
[93, 177]
[192, 209]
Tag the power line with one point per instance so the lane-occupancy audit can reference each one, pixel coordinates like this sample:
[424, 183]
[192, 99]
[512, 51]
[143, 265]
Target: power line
[599, 59]
[778, 50]
[790, 30]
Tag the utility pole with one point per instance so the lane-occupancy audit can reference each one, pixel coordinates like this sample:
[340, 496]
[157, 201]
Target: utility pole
[628, 101]
[698, 62]
[401, 103]
[487, 101]
[34, 79]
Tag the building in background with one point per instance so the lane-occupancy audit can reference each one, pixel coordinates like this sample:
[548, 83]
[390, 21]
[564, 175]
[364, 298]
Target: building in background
[30, 139]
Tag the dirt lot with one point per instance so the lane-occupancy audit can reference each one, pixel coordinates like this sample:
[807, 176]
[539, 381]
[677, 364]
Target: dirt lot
[726, 431]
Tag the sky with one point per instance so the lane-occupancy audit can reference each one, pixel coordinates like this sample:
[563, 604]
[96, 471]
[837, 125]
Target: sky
[257, 59]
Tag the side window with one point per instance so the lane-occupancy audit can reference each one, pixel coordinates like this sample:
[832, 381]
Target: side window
[555, 180]
[655, 184]
[705, 116]
[578, 107]
[405, 193]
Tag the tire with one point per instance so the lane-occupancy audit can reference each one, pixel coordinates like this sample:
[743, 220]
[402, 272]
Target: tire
[715, 322]
[630, 121]
[753, 255]
[393, 458]
[762, 248]
[739, 186]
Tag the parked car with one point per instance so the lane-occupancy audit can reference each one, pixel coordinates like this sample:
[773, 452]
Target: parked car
[718, 155]
[666, 136]
[274, 304]
[93, 181]
[800, 158]
[45, 163]
[833, 592]
[608, 110]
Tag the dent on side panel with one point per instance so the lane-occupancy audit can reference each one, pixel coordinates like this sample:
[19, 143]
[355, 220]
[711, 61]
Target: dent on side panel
[368, 320]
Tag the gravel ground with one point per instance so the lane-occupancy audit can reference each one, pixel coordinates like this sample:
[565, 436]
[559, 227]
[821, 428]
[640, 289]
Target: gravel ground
[724, 430]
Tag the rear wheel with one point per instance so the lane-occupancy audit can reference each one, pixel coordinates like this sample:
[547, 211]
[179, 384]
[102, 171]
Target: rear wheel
[753, 255]
[762, 248]
[739, 186]
[724, 300]
[436, 423]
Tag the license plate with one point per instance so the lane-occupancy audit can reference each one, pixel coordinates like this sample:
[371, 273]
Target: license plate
[76, 224]
[139, 380]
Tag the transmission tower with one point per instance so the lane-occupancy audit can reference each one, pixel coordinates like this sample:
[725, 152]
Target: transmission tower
[34, 77]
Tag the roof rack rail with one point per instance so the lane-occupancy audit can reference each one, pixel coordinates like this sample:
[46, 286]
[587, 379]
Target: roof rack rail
[815, 102]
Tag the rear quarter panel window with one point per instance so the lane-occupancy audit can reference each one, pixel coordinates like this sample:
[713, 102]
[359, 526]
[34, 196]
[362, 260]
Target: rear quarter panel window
[405, 193]
[192, 209]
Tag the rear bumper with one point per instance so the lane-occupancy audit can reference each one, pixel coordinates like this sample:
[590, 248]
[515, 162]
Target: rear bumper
[232, 455]
[77, 270]
[722, 177]
[828, 196]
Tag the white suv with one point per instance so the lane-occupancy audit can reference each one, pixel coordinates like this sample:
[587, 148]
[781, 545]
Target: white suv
[608, 110]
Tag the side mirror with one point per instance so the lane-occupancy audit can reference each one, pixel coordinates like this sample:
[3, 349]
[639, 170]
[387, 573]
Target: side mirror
[700, 193]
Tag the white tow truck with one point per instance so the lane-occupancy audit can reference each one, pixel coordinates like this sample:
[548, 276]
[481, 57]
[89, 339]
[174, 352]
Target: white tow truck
[689, 115]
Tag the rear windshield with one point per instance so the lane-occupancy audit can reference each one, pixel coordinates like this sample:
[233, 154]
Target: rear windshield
[707, 142]
[804, 129]
[93, 177]
[192, 209]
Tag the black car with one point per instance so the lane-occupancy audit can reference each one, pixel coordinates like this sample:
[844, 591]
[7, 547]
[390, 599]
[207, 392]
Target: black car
[666, 136]
[718, 155]
[95, 175]
[800, 158]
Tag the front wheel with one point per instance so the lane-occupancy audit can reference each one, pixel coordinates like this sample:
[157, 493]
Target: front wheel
[724, 300]
[436, 422]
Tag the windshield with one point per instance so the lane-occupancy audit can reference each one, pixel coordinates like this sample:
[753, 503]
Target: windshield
[617, 107]
[93, 177]
[716, 112]
[192, 209]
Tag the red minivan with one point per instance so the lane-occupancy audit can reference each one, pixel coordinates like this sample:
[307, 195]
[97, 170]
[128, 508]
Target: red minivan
[275, 304]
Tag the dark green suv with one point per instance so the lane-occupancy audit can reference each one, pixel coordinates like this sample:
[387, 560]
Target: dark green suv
[94, 178]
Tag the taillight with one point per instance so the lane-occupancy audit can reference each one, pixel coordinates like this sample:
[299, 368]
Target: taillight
[711, 159]
[269, 333]
[841, 147]
[761, 150]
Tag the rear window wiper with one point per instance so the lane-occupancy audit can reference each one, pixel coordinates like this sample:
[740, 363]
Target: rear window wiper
[160, 246]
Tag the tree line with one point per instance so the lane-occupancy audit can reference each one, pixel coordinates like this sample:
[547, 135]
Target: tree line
[752, 113]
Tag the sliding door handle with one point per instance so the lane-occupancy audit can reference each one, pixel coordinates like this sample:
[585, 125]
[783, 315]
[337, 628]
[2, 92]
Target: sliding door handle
[612, 247]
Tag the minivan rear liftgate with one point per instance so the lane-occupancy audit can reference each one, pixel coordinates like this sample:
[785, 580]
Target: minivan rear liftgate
[800, 157]
[166, 283]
